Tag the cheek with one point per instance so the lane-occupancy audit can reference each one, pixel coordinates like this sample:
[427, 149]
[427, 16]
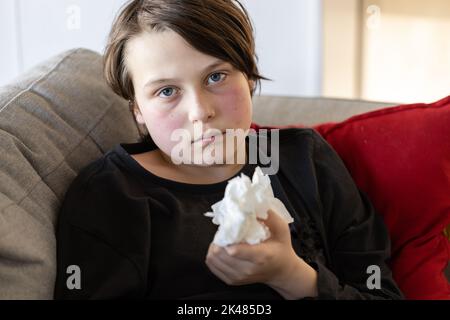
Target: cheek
[161, 126]
[237, 105]
[168, 123]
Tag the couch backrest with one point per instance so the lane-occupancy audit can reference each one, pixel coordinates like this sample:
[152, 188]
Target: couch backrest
[279, 111]
[54, 120]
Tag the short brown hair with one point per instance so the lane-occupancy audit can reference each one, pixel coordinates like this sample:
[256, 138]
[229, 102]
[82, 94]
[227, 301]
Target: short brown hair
[219, 28]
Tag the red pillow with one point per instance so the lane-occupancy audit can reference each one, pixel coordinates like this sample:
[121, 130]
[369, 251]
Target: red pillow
[400, 156]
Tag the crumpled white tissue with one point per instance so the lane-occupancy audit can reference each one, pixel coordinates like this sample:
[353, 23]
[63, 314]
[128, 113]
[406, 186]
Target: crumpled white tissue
[244, 202]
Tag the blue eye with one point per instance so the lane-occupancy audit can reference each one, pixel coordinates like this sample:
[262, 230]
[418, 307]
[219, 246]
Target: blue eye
[216, 77]
[167, 92]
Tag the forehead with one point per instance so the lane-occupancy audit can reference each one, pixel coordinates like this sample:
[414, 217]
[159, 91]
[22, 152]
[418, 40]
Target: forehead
[164, 53]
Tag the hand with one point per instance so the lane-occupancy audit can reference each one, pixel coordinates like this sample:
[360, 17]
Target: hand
[270, 262]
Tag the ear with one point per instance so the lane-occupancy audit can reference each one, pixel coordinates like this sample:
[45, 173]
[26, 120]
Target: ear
[137, 113]
[139, 117]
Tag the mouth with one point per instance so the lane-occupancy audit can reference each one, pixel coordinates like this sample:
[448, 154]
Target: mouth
[208, 138]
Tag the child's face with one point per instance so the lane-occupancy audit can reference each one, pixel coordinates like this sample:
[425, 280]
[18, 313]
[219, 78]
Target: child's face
[217, 97]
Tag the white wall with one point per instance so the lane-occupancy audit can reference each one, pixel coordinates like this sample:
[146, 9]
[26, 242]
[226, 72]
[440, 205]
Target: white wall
[288, 37]
[342, 48]
[406, 55]
[51, 26]
[10, 52]
[385, 50]
[289, 45]
[33, 30]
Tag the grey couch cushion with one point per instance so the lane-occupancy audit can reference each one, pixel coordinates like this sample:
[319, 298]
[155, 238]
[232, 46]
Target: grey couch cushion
[53, 121]
[273, 110]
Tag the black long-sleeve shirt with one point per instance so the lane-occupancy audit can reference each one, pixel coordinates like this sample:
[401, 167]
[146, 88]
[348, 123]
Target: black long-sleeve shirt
[137, 235]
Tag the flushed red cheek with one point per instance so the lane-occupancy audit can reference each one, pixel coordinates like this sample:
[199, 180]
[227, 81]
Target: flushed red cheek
[236, 106]
[164, 126]
[172, 123]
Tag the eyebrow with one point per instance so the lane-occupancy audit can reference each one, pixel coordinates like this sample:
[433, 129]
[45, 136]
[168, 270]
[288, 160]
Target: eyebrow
[211, 66]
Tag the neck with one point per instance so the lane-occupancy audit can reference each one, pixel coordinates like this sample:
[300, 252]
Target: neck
[206, 174]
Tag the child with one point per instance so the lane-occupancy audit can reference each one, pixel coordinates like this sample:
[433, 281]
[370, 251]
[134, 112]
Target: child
[133, 222]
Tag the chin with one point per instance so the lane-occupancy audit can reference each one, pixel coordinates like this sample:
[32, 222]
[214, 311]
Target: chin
[208, 162]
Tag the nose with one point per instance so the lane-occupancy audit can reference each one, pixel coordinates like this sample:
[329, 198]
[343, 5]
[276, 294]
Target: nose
[201, 108]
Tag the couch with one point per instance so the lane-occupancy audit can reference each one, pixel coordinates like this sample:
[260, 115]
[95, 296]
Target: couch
[57, 118]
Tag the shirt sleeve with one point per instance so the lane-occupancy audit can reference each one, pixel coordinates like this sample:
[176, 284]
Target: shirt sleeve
[90, 263]
[102, 272]
[356, 235]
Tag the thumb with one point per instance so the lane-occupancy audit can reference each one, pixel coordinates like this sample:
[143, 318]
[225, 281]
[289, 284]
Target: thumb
[278, 227]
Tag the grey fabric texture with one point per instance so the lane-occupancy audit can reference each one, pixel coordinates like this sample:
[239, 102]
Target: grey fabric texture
[56, 119]
[274, 110]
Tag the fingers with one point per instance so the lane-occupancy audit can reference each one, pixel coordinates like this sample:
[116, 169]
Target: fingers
[234, 254]
[216, 261]
[233, 261]
[229, 269]
[245, 252]
[278, 227]
[216, 270]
